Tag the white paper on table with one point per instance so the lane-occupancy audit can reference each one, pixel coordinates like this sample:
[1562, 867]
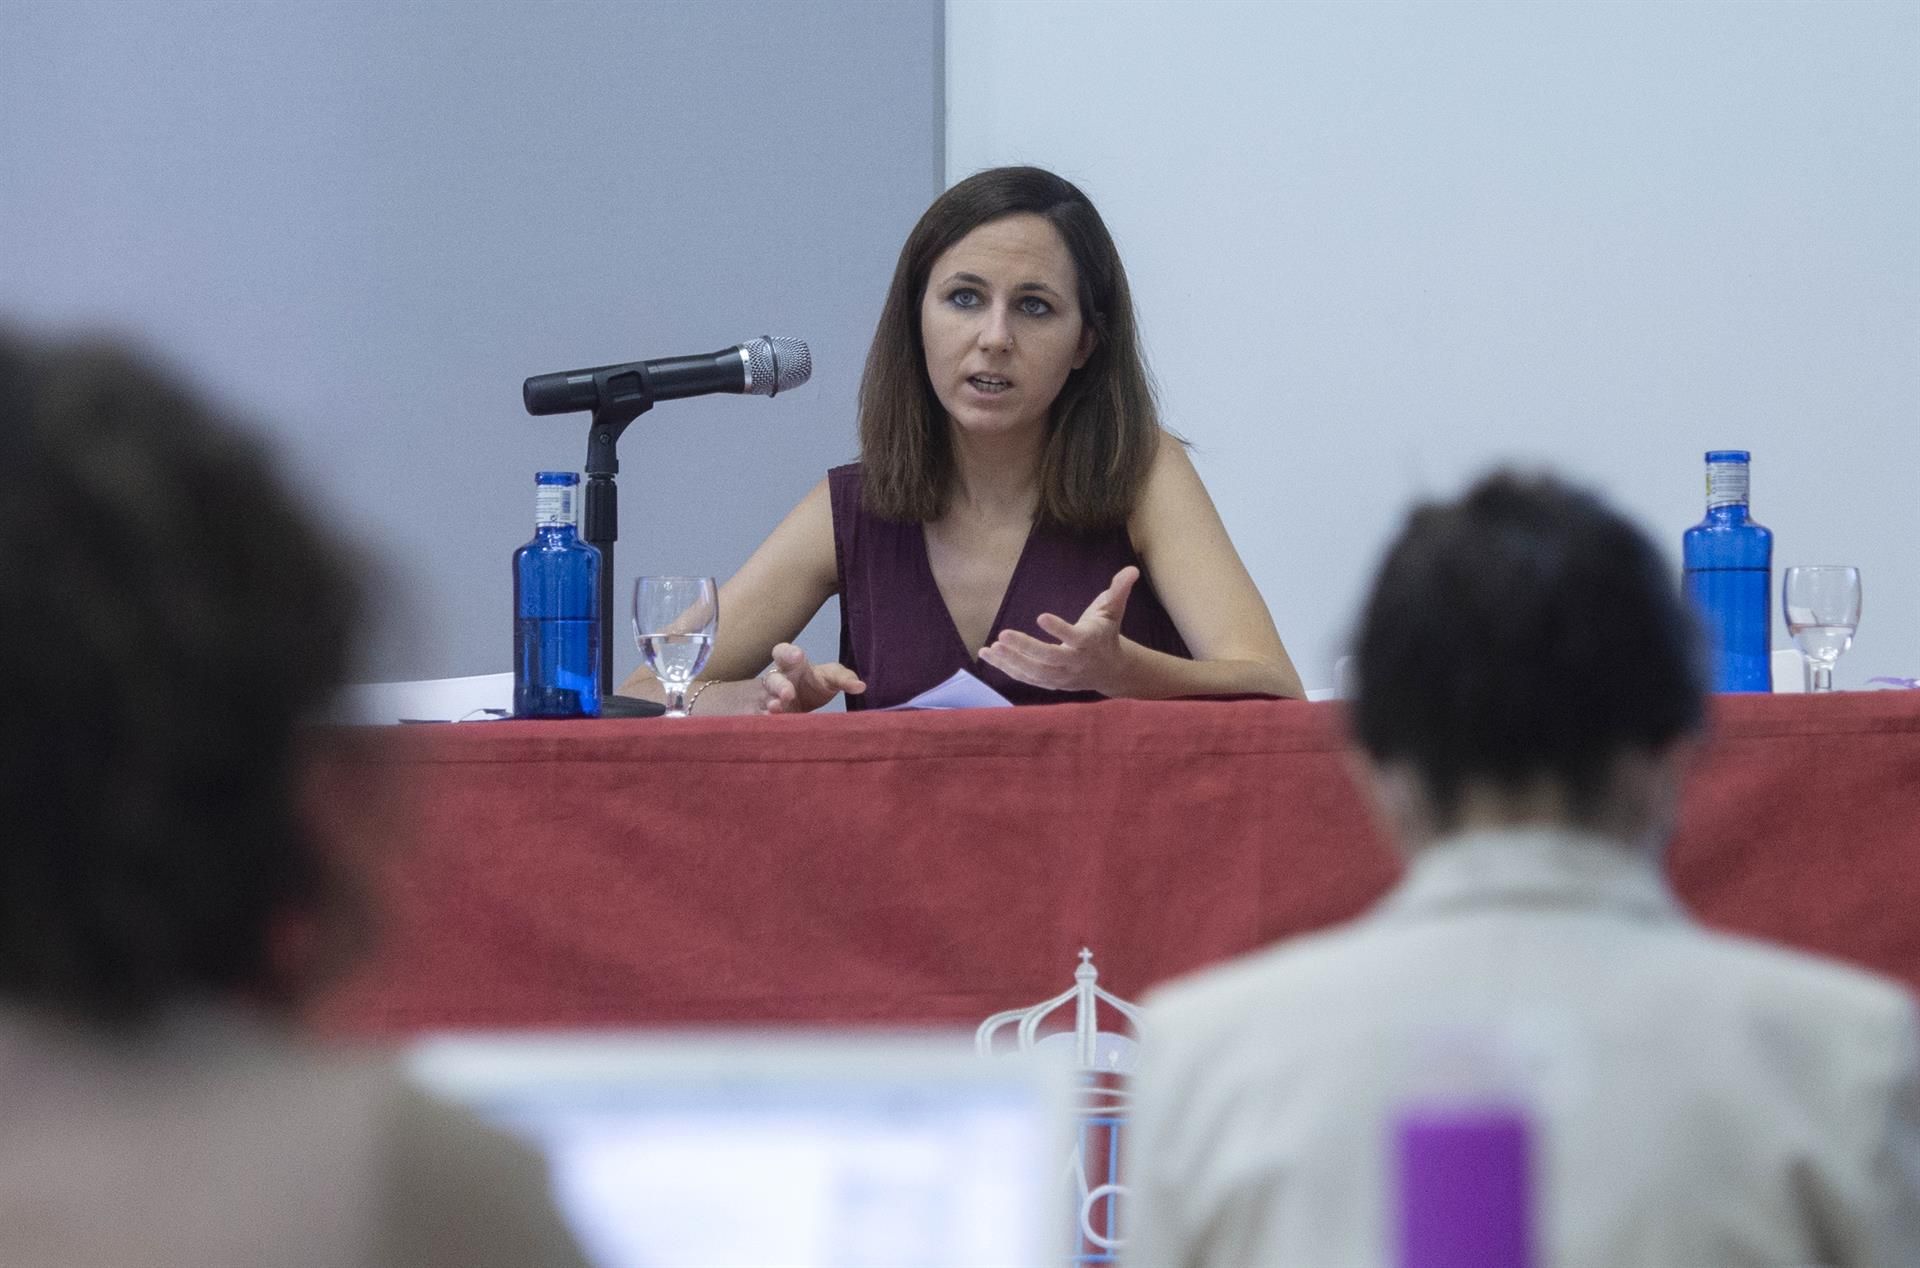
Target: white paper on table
[962, 691]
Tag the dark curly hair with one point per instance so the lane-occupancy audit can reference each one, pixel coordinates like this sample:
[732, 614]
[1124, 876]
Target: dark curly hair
[171, 615]
[1105, 426]
[1525, 631]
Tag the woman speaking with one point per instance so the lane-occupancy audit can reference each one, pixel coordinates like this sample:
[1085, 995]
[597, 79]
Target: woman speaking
[1017, 510]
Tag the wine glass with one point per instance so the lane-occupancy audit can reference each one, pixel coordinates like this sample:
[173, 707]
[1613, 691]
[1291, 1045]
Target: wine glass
[674, 621]
[1822, 604]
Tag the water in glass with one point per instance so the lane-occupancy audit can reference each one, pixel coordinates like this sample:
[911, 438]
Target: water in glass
[674, 622]
[676, 657]
[1822, 607]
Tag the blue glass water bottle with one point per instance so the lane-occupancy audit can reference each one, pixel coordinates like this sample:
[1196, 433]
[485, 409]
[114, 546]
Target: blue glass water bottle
[556, 609]
[1729, 575]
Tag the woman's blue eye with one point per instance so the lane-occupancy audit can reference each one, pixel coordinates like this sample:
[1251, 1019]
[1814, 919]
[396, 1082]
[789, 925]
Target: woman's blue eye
[1034, 306]
[964, 299]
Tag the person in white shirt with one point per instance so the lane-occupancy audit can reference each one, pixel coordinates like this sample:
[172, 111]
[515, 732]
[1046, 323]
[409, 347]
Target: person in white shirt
[1529, 690]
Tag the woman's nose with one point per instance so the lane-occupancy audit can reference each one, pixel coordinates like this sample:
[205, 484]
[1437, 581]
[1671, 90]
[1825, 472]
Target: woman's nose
[995, 330]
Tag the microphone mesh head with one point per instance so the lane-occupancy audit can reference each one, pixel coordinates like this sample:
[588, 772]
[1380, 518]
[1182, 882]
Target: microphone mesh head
[777, 364]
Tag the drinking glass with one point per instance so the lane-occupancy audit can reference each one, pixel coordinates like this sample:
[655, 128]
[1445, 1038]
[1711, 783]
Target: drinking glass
[1822, 604]
[674, 621]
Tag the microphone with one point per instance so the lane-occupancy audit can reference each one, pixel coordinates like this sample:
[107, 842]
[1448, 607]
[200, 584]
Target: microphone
[765, 366]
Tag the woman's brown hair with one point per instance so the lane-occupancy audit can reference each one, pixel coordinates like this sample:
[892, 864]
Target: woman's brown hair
[177, 615]
[1104, 426]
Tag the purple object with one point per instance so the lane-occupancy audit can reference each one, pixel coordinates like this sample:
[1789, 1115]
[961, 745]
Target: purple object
[1465, 1187]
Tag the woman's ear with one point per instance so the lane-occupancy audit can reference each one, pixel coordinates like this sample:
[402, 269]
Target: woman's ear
[1397, 798]
[1656, 780]
[354, 815]
[1088, 338]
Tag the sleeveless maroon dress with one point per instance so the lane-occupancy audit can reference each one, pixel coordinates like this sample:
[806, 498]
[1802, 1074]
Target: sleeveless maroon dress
[896, 632]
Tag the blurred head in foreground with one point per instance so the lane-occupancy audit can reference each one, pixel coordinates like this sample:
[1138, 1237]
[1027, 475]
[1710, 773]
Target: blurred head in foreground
[1525, 657]
[169, 615]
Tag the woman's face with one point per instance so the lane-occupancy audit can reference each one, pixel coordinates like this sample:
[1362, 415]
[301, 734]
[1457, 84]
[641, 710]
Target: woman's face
[1001, 324]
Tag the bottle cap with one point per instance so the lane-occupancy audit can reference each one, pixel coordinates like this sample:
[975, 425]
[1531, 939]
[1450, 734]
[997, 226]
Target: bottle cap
[1729, 455]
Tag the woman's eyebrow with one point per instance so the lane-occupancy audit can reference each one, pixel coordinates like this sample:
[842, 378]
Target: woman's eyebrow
[974, 279]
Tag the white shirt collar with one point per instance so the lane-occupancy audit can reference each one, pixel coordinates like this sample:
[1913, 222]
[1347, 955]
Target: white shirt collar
[1532, 867]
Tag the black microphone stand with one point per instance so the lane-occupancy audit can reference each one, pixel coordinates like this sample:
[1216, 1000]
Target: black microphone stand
[624, 395]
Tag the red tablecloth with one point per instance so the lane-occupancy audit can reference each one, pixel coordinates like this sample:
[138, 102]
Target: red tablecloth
[941, 867]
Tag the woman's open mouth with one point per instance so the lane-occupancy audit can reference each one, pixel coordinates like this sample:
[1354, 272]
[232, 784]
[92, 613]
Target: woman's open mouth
[991, 385]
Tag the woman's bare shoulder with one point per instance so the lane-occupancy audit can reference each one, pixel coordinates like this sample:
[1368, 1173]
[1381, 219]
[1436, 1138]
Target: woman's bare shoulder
[1172, 490]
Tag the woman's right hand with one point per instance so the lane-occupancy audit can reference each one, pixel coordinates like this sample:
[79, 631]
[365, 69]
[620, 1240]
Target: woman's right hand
[793, 684]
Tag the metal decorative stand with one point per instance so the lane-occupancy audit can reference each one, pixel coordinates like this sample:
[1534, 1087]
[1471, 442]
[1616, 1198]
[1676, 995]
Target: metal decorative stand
[1103, 1060]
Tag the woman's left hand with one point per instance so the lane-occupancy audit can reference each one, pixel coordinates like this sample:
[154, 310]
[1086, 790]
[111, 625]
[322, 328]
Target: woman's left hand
[1089, 655]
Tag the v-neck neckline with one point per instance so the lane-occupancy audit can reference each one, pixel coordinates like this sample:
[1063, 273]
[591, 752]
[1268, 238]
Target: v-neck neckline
[972, 655]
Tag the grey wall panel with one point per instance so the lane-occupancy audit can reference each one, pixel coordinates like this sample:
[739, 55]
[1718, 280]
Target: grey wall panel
[364, 223]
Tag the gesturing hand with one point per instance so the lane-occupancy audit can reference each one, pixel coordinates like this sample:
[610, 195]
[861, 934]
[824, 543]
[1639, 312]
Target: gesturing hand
[792, 684]
[1089, 655]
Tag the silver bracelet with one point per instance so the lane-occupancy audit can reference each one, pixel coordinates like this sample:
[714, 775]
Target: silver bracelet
[695, 697]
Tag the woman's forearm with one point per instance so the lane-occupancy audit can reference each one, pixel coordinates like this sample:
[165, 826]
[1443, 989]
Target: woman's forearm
[1150, 675]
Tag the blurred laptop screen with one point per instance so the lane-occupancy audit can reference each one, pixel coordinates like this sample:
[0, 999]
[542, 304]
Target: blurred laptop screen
[759, 1152]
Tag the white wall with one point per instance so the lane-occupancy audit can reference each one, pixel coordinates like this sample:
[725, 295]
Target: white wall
[1379, 246]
